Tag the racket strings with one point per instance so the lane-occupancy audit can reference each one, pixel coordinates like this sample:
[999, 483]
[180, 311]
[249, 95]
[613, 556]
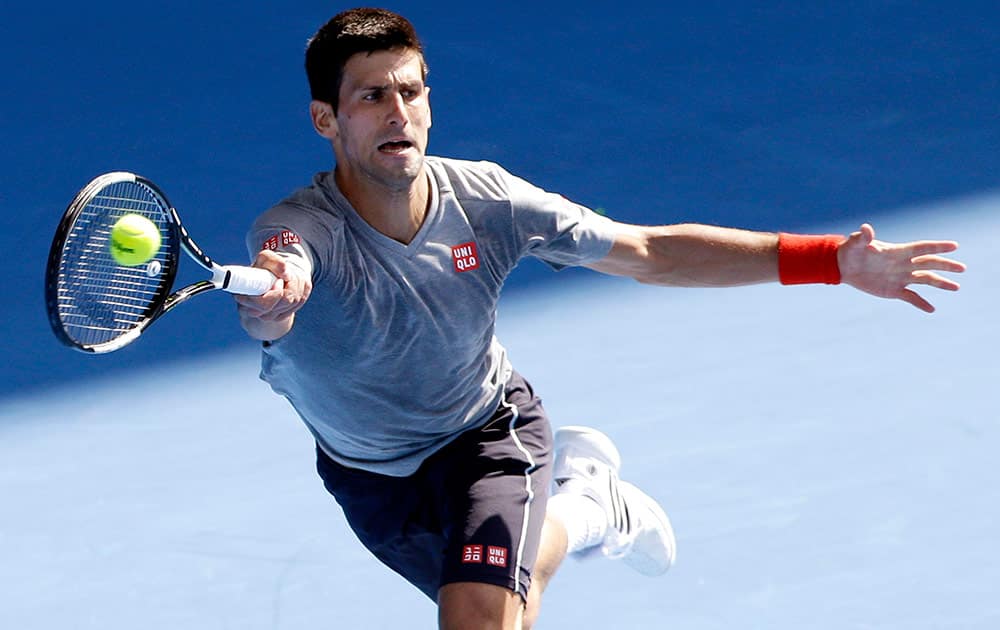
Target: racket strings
[99, 299]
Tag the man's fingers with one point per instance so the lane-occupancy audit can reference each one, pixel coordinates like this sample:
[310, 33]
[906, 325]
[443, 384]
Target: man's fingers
[295, 279]
[267, 258]
[276, 314]
[888, 269]
[937, 263]
[867, 233]
[290, 291]
[252, 304]
[913, 298]
[257, 305]
[255, 309]
[268, 315]
[923, 248]
[935, 280]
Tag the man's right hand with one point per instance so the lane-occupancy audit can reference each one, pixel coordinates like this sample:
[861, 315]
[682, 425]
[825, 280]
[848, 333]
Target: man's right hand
[271, 315]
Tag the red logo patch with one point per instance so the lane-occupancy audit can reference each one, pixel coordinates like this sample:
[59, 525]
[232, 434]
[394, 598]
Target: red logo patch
[465, 257]
[497, 556]
[472, 554]
[284, 239]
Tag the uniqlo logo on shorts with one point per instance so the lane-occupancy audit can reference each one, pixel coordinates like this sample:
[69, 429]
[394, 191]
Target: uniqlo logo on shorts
[472, 554]
[284, 239]
[497, 556]
[465, 257]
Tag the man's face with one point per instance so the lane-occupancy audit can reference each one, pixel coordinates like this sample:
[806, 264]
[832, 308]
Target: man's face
[383, 118]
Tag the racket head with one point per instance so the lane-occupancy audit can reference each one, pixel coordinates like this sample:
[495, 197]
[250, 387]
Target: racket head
[94, 303]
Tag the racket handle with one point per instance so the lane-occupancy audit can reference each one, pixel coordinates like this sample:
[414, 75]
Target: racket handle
[244, 280]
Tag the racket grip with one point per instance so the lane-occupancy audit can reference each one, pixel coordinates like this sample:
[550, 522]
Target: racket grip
[245, 280]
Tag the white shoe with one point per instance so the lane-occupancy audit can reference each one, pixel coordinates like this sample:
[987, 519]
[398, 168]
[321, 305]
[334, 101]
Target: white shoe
[639, 532]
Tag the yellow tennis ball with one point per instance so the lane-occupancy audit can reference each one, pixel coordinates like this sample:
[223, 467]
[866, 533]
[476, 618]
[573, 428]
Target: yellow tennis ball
[134, 240]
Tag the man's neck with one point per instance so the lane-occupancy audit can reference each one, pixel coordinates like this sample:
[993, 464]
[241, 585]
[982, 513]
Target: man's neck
[396, 214]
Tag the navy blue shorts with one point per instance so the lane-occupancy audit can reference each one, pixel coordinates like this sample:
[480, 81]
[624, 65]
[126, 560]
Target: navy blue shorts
[472, 512]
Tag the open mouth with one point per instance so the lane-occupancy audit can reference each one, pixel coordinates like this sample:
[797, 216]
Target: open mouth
[395, 147]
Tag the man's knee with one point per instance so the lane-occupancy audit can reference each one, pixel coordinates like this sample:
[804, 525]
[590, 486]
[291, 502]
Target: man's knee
[472, 605]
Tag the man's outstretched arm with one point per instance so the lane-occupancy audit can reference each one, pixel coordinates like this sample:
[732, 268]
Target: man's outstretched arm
[692, 255]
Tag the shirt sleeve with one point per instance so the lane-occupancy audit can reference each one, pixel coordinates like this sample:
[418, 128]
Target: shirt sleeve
[556, 230]
[291, 231]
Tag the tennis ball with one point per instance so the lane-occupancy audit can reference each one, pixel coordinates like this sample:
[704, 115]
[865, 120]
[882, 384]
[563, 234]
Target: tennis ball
[134, 240]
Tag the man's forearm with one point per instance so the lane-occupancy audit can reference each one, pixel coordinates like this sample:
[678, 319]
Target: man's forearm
[692, 255]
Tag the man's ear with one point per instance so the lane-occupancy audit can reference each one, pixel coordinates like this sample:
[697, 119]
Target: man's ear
[427, 95]
[323, 119]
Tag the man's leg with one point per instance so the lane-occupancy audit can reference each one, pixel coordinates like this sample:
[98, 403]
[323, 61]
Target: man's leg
[473, 605]
[498, 479]
[551, 553]
[593, 511]
[479, 606]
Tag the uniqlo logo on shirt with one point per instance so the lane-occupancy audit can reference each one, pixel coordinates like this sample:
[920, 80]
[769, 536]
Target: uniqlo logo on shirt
[497, 556]
[472, 554]
[284, 239]
[465, 257]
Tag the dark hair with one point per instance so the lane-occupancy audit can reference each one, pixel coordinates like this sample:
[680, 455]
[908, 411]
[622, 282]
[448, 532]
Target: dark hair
[348, 33]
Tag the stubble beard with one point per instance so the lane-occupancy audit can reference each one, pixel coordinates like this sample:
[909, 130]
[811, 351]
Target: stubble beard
[395, 181]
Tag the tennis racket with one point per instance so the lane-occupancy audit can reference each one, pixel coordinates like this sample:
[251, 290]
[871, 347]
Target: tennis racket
[97, 305]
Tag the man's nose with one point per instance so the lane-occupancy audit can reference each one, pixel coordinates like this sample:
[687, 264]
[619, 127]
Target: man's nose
[397, 114]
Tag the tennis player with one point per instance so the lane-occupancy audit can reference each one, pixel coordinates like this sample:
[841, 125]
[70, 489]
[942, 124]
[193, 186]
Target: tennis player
[380, 333]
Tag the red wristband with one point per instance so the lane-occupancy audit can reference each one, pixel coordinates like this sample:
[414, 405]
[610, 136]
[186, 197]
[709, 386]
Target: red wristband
[808, 259]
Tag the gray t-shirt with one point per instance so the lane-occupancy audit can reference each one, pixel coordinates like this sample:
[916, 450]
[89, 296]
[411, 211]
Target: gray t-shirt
[394, 353]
